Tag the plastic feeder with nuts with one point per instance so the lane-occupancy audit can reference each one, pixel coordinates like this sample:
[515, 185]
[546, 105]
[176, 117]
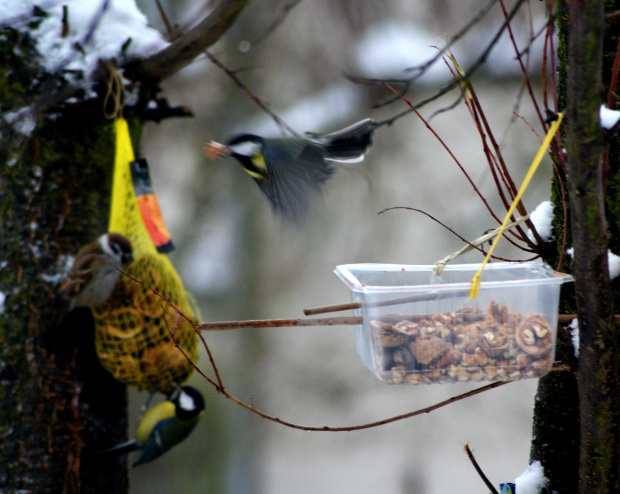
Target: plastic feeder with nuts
[422, 328]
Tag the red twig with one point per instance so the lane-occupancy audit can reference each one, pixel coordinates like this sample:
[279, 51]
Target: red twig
[497, 166]
[454, 158]
[613, 84]
[192, 323]
[524, 70]
[220, 388]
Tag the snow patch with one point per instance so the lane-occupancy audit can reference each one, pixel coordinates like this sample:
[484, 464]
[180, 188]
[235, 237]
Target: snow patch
[97, 29]
[574, 335]
[532, 480]
[388, 48]
[609, 118]
[613, 262]
[542, 217]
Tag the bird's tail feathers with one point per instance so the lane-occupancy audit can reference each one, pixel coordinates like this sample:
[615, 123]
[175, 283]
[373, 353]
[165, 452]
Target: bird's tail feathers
[348, 145]
[120, 449]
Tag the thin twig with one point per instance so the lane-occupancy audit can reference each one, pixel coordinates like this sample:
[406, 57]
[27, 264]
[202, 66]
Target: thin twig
[182, 314]
[257, 99]
[567, 318]
[278, 19]
[328, 321]
[184, 49]
[420, 297]
[369, 425]
[422, 68]
[342, 321]
[484, 478]
[612, 15]
[463, 239]
[445, 146]
[524, 70]
[455, 82]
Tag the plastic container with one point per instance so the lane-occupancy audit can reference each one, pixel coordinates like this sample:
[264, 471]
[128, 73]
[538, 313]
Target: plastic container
[422, 328]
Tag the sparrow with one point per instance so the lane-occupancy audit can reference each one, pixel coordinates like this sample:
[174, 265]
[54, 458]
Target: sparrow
[92, 277]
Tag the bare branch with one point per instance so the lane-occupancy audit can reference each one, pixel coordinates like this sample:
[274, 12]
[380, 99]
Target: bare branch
[484, 478]
[263, 105]
[278, 19]
[186, 48]
[419, 70]
[463, 239]
[277, 323]
[481, 60]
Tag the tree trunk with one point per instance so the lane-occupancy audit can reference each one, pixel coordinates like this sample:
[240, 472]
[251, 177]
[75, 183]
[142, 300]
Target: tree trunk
[58, 405]
[576, 415]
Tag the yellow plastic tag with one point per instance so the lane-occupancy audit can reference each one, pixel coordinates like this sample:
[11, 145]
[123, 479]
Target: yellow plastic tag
[475, 282]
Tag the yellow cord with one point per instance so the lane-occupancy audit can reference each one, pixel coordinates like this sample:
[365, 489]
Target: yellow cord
[475, 282]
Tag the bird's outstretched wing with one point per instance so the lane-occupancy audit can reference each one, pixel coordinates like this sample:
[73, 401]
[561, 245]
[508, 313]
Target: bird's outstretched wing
[295, 176]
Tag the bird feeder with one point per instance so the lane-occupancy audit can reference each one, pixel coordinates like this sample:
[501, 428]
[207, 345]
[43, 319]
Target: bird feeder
[418, 327]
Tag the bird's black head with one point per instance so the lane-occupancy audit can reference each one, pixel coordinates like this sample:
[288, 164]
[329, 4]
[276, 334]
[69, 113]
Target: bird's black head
[188, 403]
[245, 145]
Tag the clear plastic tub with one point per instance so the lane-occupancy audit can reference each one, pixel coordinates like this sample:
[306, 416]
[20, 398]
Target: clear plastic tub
[422, 328]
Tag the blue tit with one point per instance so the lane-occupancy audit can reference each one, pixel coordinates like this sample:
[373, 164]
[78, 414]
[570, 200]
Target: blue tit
[290, 172]
[164, 425]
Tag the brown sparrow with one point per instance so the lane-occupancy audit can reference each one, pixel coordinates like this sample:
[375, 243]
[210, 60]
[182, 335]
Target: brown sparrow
[92, 277]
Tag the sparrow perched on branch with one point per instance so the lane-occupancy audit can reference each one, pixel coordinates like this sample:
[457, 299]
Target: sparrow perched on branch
[92, 277]
[291, 171]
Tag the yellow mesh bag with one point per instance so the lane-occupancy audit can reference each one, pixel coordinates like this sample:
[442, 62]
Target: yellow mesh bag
[133, 326]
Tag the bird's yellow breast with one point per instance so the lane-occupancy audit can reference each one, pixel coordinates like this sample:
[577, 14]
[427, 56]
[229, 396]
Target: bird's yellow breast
[151, 417]
[260, 171]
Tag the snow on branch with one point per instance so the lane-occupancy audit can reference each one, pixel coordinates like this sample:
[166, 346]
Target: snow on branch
[187, 47]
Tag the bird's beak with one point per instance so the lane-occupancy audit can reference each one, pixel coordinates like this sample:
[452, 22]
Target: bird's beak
[214, 150]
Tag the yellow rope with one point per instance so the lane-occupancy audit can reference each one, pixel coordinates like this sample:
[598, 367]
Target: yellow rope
[475, 282]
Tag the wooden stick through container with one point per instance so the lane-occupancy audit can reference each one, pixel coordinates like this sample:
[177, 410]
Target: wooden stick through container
[422, 297]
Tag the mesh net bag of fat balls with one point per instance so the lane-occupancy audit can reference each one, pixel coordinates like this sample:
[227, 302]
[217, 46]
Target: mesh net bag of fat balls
[133, 326]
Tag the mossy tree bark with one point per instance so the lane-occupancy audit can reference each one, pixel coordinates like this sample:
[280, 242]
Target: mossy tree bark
[57, 402]
[576, 414]
[58, 406]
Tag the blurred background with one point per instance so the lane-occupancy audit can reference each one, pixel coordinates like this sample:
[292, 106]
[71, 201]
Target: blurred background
[240, 262]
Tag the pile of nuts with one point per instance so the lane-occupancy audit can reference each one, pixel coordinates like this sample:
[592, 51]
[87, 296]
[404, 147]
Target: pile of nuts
[467, 345]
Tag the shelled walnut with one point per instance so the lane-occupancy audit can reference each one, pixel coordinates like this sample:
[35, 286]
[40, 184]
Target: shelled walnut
[467, 345]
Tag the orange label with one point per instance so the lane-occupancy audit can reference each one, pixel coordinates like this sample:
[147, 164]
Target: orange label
[154, 222]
